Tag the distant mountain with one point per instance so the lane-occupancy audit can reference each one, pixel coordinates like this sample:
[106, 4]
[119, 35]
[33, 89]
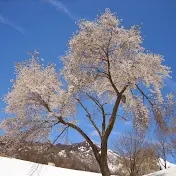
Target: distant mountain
[84, 152]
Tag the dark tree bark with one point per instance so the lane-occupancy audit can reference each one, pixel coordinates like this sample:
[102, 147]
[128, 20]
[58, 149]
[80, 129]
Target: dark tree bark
[104, 160]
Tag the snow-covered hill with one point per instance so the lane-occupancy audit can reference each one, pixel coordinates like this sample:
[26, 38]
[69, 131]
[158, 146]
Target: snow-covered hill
[16, 167]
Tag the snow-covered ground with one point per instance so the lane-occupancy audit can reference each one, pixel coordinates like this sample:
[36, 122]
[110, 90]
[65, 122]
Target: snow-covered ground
[168, 164]
[170, 171]
[15, 167]
[166, 172]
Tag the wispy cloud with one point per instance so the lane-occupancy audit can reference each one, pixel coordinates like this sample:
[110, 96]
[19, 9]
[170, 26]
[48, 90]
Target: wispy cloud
[94, 133]
[61, 7]
[128, 123]
[115, 133]
[13, 25]
[90, 126]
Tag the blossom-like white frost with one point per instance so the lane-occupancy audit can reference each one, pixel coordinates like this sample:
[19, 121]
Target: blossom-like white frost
[28, 128]
[35, 96]
[37, 88]
[102, 52]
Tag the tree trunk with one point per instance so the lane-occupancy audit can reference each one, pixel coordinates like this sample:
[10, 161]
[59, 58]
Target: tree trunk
[165, 164]
[103, 160]
[104, 169]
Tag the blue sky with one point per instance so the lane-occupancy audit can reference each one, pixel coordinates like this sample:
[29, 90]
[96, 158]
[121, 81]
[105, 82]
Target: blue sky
[46, 25]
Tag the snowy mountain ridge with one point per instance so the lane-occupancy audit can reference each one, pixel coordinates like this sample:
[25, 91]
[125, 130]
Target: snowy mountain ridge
[83, 149]
[84, 152]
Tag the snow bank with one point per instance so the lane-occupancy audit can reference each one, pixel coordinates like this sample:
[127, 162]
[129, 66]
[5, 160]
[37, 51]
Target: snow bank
[168, 164]
[166, 172]
[170, 171]
[16, 167]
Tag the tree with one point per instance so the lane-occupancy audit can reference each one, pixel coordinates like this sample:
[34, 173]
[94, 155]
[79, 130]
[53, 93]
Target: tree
[165, 131]
[171, 132]
[104, 64]
[173, 138]
[162, 148]
[136, 154]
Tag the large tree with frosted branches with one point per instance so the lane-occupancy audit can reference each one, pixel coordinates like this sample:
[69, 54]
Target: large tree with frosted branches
[105, 64]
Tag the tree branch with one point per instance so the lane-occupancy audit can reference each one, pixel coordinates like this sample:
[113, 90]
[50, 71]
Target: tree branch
[109, 67]
[140, 90]
[90, 118]
[102, 111]
[93, 146]
[58, 137]
[78, 129]
[114, 114]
